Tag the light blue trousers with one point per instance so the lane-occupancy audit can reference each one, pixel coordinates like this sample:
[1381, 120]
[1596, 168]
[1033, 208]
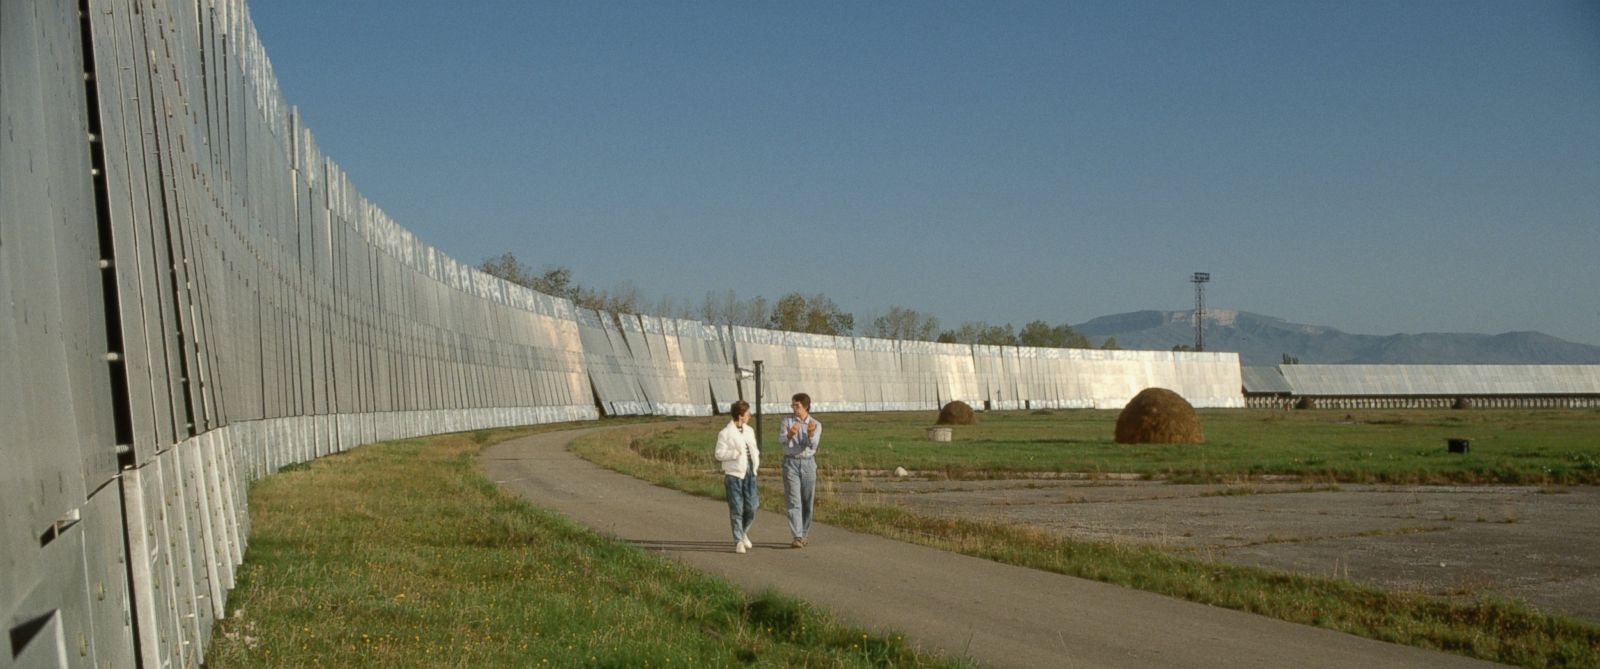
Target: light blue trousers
[743, 501]
[799, 492]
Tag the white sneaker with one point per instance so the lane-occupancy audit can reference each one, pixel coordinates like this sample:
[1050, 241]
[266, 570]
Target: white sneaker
[746, 542]
[738, 547]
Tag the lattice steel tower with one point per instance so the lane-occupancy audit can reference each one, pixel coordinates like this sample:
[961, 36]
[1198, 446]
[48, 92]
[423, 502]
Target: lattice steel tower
[1199, 281]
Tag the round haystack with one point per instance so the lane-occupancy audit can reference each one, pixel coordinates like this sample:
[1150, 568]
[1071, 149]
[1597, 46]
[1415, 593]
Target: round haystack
[957, 413]
[1159, 416]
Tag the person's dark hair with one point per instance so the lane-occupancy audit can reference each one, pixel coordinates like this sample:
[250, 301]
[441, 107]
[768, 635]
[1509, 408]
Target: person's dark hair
[804, 400]
[739, 408]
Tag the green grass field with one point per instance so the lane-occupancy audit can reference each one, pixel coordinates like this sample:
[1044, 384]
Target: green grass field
[1556, 447]
[1546, 448]
[401, 555]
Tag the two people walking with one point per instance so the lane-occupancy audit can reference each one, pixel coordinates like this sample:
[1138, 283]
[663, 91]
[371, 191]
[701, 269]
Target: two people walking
[736, 449]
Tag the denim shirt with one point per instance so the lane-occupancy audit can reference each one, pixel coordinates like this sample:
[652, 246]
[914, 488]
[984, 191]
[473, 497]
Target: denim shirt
[804, 444]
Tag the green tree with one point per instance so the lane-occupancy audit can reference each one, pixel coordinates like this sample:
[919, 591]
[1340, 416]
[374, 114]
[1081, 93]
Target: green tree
[996, 335]
[556, 280]
[815, 314]
[979, 332]
[1041, 334]
[507, 267]
[728, 309]
[552, 280]
[1290, 359]
[1110, 345]
[907, 324]
[624, 299]
[670, 307]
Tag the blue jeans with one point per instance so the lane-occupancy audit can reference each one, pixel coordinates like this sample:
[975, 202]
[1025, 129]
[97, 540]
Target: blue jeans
[743, 500]
[799, 492]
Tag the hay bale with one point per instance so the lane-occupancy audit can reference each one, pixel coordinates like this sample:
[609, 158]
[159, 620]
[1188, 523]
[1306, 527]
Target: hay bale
[1159, 416]
[957, 413]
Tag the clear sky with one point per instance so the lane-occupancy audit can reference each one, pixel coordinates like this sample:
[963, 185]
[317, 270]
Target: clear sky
[1379, 167]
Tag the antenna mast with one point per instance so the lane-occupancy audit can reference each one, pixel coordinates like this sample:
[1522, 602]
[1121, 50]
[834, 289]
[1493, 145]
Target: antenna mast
[1199, 281]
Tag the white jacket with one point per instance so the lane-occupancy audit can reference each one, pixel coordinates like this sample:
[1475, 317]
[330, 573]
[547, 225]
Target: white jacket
[732, 445]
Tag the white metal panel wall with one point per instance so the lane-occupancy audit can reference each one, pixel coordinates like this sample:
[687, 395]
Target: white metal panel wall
[750, 345]
[709, 375]
[794, 362]
[1216, 379]
[817, 371]
[670, 369]
[56, 397]
[1014, 379]
[1436, 380]
[134, 197]
[874, 364]
[599, 359]
[251, 287]
[958, 373]
[110, 634]
[610, 364]
[919, 387]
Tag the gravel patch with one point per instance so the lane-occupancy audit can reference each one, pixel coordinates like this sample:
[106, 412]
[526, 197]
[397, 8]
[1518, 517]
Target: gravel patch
[1538, 545]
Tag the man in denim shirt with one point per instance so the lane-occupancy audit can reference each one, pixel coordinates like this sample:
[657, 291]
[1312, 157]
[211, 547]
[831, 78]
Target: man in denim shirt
[800, 434]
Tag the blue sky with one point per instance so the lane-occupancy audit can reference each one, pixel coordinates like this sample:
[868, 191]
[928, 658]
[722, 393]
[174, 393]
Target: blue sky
[1378, 167]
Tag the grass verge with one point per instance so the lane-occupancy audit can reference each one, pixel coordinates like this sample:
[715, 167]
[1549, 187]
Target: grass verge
[400, 554]
[1490, 628]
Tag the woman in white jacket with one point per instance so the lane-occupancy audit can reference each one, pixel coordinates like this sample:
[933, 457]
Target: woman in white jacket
[736, 450]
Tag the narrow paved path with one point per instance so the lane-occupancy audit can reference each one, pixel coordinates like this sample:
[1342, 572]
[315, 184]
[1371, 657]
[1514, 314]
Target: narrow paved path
[998, 615]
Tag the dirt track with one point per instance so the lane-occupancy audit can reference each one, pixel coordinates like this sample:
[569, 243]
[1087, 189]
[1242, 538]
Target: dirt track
[996, 614]
[1542, 546]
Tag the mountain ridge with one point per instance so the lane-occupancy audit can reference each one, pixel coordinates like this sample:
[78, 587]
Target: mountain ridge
[1265, 340]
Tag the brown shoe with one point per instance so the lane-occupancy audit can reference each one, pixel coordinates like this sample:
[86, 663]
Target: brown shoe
[799, 542]
[804, 541]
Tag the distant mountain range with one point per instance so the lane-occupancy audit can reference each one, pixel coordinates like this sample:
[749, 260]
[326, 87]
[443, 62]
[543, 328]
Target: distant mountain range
[1264, 340]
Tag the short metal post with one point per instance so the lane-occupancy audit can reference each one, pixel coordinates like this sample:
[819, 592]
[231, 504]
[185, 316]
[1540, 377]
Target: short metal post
[758, 404]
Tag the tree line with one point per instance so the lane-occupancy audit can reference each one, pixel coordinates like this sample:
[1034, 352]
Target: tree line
[793, 312]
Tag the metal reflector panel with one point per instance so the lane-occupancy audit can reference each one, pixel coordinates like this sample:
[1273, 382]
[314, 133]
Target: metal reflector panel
[669, 367]
[50, 626]
[609, 364]
[21, 197]
[150, 569]
[706, 366]
[44, 167]
[184, 544]
[106, 577]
